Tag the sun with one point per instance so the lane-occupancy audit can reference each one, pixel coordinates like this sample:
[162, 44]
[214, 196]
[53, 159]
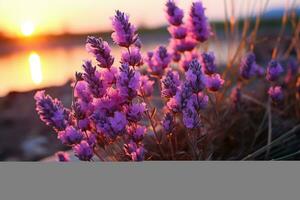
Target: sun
[27, 28]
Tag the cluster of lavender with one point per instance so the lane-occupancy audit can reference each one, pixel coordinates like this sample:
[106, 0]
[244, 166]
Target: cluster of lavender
[110, 103]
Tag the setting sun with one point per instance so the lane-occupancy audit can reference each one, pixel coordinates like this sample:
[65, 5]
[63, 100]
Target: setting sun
[35, 68]
[27, 28]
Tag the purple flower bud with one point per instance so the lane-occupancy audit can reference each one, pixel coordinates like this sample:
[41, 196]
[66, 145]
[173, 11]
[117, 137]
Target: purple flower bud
[146, 88]
[128, 81]
[159, 60]
[93, 78]
[130, 148]
[248, 66]
[133, 58]
[176, 56]
[136, 133]
[186, 44]
[195, 76]
[174, 104]
[51, 111]
[180, 100]
[178, 32]
[170, 83]
[168, 123]
[174, 14]
[118, 123]
[198, 101]
[138, 155]
[62, 156]
[208, 63]
[82, 92]
[83, 124]
[274, 70]
[101, 51]
[109, 75]
[198, 23]
[214, 82]
[276, 94]
[124, 32]
[135, 112]
[70, 136]
[83, 151]
[191, 118]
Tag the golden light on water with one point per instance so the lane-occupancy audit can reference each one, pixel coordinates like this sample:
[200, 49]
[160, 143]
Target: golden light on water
[27, 28]
[35, 68]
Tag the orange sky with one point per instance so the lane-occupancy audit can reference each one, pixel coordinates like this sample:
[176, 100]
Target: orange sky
[78, 16]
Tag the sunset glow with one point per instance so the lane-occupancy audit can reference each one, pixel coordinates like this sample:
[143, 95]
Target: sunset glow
[27, 28]
[35, 68]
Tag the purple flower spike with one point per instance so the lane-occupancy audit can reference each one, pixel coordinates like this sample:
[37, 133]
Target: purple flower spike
[158, 60]
[146, 88]
[93, 78]
[195, 76]
[174, 14]
[101, 51]
[276, 94]
[208, 63]
[51, 111]
[62, 157]
[170, 83]
[70, 136]
[128, 81]
[248, 66]
[274, 70]
[135, 112]
[198, 23]
[124, 32]
[191, 118]
[118, 123]
[198, 101]
[168, 123]
[83, 151]
[214, 82]
[179, 32]
[133, 58]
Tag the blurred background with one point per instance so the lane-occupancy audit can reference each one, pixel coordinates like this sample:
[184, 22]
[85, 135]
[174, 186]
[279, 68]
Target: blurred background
[42, 45]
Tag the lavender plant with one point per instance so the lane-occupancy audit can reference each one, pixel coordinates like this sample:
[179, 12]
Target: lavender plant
[115, 114]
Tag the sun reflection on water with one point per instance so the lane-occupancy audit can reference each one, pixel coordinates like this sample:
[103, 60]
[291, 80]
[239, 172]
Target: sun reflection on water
[35, 68]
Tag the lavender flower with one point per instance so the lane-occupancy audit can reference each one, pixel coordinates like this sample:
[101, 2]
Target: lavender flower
[92, 77]
[83, 151]
[195, 76]
[170, 83]
[158, 60]
[176, 56]
[198, 23]
[181, 99]
[208, 63]
[118, 123]
[214, 82]
[168, 123]
[178, 32]
[188, 58]
[198, 101]
[146, 88]
[276, 94]
[274, 70]
[62, 156]
[124, 32]
[101, 51]
[191, 118]
[186, 44]
[135, 112]
[128, 81]
[51, 111]
[138, 155]
[133, 58]
[248, 66]
[136, 133]
[174, 14]
[70, 136]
